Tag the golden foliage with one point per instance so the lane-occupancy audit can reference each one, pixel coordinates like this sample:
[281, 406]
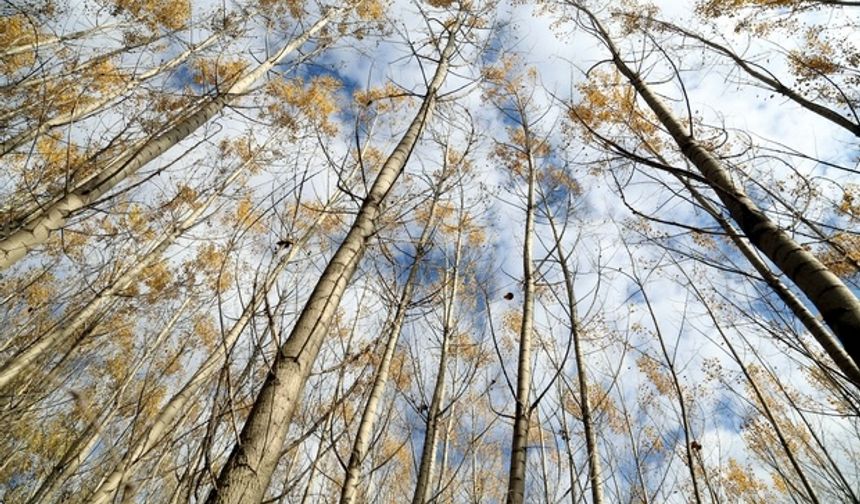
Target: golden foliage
[384, 98]
[169, 14]
[39, 293]
[204, 329]
[740, 483]
[157, 277]
[210, 261]
[655, 374]
[295, 8]
[371, 10]
[15, 31]
[218, 72]
[314, 102]
[850, 204]
[842, 264]
[606, 100]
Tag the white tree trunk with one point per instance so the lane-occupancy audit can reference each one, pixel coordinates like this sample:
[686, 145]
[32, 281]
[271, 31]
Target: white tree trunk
[247, 473]
[69, 326]
[839, 307]
[519, 438]
[363, 436]
[53, 217]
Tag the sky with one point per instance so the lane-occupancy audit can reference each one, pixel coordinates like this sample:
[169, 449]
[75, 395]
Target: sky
[611, 304]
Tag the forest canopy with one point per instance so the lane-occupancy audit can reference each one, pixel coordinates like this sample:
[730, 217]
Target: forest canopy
[423, 251]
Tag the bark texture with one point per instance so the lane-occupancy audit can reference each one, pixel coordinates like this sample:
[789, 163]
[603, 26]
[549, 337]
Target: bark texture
[522, 413]
[63, 332]
[363, 436]
[247, 473]
[39, 226]
[434, 411]
[839, 307]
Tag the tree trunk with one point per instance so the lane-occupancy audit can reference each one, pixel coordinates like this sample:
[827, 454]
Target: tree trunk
[69, 326]
[246, 475]
[53, 217]
[88, 109]
[592, 451]
[361, 445]
[519, 439]
[176, 406]
[842, 360]
[428, 451]
[839, 307]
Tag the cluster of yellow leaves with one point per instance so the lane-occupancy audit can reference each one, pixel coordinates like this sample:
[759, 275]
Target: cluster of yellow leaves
[601, 405]
[507, 81]
[170, 14]
[245, 150]
[248, 217]
[815, 59]
[59, 159]
[371, 10]
[384, 97]
[185, 196]
[209, 261]
[395, 449]
[634, 15]
[204, 329]
[16, 31]
[400, 370]
[40, 292]
[295, 8]
[841, 264]
[520, 147]
[157, 277]
[740, 483]
[752, 14]
[152, 401]
[850, 204]
[512, 321]
[553, 177]
[466, 348]
[703, 240]
[218, 72]
[371, 159]
[314, 102]
[33, 442]
[606, 100]
[456, 161]
[66, 95]
[655, 373]
[138, 222]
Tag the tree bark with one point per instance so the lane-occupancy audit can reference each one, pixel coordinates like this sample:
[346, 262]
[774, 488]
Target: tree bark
[818, 331]
[168, 414]
[361, 445]
[246, 475]
[591, 449]
[53, 217]
[519, 439]
[434, 412]
[69, 326]
[839, 307]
